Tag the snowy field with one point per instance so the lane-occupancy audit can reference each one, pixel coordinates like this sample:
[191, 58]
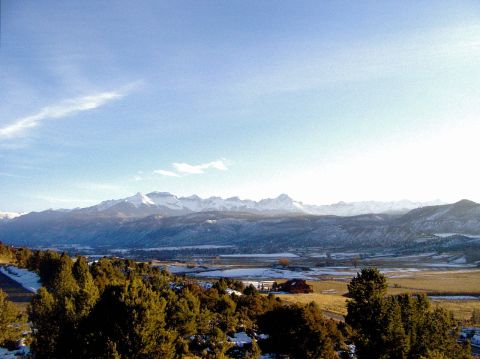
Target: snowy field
[260, 255]
[278, 273]
[445, 235]
[14, 354]
[179, 248]
[454, 297]
[28, 280]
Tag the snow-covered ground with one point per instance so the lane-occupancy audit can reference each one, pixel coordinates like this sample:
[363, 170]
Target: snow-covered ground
[28, 280]
[240, 339]
[14, 354]
[277, 273]
[260, 255]
[454, 297]
[233, 291]
[181, 269]
[253, 273]
[203, 246]
[445, 235]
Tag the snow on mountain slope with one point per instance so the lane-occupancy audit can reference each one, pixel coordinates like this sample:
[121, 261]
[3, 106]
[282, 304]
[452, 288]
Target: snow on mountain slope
[357, 208]
[167, 204]
[125, 226]
[4, 216]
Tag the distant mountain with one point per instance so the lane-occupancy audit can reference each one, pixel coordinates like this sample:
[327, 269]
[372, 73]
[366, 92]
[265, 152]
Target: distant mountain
[460, 217]
[166, 204]
[358, 208]
[161, 219]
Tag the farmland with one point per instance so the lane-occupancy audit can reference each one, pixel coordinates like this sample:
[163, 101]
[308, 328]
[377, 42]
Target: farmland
[330, 294]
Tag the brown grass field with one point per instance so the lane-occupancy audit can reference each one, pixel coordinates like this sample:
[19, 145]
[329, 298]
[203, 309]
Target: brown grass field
[329, 294]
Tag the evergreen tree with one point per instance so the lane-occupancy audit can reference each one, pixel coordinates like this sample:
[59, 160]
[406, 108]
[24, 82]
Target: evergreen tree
[131, 317]
[12, 322]
[365, 311]
[46, 326]
[300, 332]
[401, 326]
[88, 292]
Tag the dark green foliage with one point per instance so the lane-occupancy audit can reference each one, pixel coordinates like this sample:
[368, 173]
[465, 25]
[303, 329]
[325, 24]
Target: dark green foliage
[129, 319]
[117, 308]
[402, 326]
[12, 322]
[223, 283]
[300, 332]
[120, 309]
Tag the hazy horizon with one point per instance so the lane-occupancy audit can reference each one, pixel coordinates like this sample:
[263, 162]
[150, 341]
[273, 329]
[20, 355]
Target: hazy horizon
[323, 101]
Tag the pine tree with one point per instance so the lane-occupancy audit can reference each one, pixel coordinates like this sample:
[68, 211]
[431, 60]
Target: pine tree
[300, 332]
[401, 326]
[132, 316]
[365, 310]
[12, 322]
[88, 292]
[45, 324]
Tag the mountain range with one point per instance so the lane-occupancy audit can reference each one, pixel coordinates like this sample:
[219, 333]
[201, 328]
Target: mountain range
[167, 204]
[161, 219]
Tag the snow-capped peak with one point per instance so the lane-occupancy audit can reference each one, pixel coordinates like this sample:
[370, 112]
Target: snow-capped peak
[165, 203]
[139, 199]
[282, 203]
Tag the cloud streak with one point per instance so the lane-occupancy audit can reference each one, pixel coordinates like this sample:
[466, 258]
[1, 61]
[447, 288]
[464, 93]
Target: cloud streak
[166, 173]
[183, 169]
[60, 110]
[199, 169]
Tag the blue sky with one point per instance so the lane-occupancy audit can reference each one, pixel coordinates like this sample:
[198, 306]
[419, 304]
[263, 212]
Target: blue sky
[323, 100]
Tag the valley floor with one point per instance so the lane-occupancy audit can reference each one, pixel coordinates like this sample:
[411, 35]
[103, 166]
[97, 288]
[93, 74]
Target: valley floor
[455, 290]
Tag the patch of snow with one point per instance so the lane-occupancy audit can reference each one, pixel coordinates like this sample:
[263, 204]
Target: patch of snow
[252, 273]
[120, 250]
[176, 269]
[240, 339]
[5, 353]
[204, 246]
[140, 199]
[448, 265]
[445, 235]
[454, 297]
[233, 291]
[460, 260]
[260, 255]
[318, 255]
[28, 280]
[10, 215]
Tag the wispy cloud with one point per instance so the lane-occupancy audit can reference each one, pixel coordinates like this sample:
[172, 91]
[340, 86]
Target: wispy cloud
[183, 168]
[198, 169]
[166, 173]
[62, 109]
